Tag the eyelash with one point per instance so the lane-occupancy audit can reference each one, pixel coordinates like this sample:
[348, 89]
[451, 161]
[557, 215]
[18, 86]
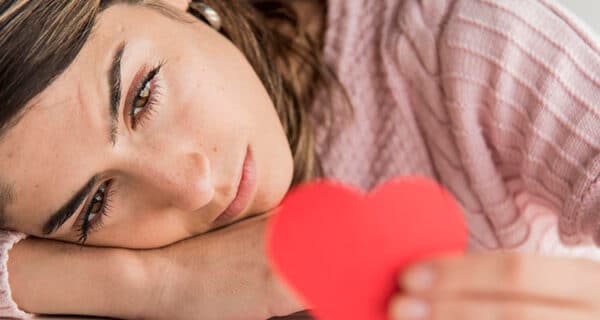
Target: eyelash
[90, 221]
[149, 83]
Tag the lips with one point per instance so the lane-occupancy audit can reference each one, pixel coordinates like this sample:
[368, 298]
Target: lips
[246, 185]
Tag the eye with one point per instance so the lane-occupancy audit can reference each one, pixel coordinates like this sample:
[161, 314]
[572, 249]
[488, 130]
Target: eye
[97, 208]
[97, 203]
[144, 99]
[141, 100]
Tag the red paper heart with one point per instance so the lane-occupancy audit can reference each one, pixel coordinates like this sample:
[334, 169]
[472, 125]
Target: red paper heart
[342, 250]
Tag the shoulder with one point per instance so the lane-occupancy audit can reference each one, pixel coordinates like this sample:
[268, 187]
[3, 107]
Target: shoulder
[531, 27]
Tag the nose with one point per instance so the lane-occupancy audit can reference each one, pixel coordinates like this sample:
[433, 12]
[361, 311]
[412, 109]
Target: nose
[184, 182]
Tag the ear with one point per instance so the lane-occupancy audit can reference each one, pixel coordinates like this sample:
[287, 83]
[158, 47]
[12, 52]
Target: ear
[179, 4]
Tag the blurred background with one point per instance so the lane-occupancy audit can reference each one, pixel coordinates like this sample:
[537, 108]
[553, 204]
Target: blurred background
[587, 10]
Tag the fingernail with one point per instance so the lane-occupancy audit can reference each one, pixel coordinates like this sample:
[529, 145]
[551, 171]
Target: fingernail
[418, 278]
[410, 308]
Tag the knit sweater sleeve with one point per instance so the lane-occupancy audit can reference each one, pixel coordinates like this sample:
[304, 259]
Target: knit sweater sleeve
[516, 83]
[8, 308]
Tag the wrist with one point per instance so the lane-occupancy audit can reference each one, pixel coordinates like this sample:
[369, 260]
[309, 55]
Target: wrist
[156, 285]
[130, 283]
[76, 280]
[281, 298]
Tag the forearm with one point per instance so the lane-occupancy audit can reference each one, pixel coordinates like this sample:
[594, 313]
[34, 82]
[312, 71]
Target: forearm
[221, 275]
[50, 277]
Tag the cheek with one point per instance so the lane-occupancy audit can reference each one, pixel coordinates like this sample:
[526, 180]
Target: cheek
[221, 103]
[209, 109]
[144, 231]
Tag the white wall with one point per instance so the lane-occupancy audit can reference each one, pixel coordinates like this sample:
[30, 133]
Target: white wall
[587, 10]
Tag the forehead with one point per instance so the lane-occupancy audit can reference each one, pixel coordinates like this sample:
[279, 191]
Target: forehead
[53, 148]
[41, 152]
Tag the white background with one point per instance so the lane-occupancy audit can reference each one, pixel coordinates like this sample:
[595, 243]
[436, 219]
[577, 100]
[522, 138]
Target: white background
[588, 10]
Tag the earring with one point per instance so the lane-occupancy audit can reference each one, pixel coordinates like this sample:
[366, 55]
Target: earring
[209, 14]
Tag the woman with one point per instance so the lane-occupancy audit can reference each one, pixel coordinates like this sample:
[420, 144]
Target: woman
[134, 125]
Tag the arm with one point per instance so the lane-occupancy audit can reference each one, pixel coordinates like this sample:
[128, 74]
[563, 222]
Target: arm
[520, 83]
[507, 94]
[220, 275]
[519, 87]
[51, 277]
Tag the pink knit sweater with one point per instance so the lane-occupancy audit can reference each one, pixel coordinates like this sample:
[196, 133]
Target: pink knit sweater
[499, 100]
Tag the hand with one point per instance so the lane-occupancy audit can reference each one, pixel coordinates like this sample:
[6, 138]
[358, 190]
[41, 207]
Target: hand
[499, 286]
[221, 275]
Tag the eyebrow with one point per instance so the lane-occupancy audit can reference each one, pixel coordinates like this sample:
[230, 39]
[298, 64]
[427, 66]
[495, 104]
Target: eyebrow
[63, 214]
[59, 218]
[114, 83]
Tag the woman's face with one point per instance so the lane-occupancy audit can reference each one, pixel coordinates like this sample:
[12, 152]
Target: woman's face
[168, 161]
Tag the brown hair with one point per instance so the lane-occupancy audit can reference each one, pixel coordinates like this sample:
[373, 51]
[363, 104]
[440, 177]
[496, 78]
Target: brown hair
[277, 44]
[40, 39]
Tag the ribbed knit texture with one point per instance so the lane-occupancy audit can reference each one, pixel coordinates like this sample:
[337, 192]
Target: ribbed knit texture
[8, 308]
[493, 98]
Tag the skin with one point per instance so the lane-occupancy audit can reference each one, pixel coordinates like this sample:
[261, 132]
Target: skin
[203, 124]
[222, 275]
[172, 174]
[497, 286]
[176, 173]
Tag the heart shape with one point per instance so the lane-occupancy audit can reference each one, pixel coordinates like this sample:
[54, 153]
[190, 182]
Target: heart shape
[342, 250]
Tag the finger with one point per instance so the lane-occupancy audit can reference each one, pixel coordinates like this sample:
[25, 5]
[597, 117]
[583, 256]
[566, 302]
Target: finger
[507, 274]
[409, 308]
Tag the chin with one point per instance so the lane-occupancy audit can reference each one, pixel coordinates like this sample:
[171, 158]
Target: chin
[273, 193]
[270, 200]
